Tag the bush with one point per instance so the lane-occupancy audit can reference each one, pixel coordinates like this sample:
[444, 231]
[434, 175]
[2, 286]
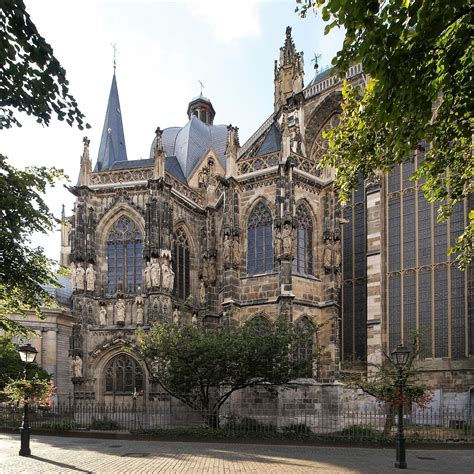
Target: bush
[361, 432]
[104, 424]
[299, 428]
[245, 424]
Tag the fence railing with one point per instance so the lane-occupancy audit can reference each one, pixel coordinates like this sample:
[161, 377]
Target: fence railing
[344, 425]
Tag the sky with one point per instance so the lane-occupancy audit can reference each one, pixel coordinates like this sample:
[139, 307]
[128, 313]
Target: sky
[164, 49]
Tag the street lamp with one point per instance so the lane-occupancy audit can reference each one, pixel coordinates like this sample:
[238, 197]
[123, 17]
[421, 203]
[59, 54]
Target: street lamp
[400, 357]
[27, 354]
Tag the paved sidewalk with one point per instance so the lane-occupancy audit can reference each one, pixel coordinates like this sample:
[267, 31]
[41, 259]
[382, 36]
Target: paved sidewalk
[87, 455]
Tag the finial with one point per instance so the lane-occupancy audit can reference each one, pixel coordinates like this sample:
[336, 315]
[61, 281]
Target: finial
[86, 142]
[114, 47]
[315, 61]
[63, 213]
[202, 86]
[288, 31]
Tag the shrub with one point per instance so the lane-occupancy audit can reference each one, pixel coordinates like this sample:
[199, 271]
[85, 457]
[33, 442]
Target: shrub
[105, 424]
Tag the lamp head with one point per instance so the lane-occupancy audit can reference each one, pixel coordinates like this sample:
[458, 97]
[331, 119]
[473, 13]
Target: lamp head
[27, 353]
[400, 356]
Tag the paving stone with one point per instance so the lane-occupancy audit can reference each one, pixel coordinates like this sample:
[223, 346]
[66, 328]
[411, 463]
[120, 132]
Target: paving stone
[52, 454]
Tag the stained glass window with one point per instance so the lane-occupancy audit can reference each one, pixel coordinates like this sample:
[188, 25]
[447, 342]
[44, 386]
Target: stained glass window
[303, 261]
[123, 374]
[182, 285]
[260, 245]
[124, 256]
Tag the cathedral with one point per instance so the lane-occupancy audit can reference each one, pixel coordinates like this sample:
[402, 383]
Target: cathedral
[210, 231]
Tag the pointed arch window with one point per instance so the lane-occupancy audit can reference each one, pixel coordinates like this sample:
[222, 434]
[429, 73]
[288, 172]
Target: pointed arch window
[123, 375]
[124, 256]
[304, 348]
[181, 257]
[303, 261]
[259, 239]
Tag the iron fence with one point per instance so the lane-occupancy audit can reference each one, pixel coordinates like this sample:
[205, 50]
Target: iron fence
[428, 425]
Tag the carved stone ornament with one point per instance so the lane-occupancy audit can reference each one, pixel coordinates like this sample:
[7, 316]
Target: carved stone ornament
[90, 277]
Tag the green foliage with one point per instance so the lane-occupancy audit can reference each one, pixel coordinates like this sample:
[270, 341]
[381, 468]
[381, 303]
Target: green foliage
[246, 424]
[362, 432]
[24, 269]
[203, 367]
[31, 78]
[419, 56]
[12, 368]
[382, 381]
[104, 424]
[32, 390]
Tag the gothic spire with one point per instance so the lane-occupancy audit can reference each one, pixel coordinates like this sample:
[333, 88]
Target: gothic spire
[112, 144]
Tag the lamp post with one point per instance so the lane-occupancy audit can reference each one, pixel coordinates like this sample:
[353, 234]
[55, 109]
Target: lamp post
[28, 354]
[400, 358]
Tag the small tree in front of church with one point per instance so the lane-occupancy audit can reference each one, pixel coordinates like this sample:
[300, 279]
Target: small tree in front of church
[202, 367]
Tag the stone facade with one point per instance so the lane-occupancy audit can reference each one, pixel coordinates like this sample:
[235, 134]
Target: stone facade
[207, 231]
[51, 340]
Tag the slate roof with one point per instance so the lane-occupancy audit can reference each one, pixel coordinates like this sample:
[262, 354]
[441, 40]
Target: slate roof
[62, 295]
[171, 165]
[131, 164]
[190, 144]
[272, 141]
[321, 76]
[112, 144]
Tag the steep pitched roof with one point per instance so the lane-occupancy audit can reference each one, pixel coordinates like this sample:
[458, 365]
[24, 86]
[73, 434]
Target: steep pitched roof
[112, 144]
[272, 141]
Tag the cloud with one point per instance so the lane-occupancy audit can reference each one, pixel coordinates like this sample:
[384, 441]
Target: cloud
[228, 21]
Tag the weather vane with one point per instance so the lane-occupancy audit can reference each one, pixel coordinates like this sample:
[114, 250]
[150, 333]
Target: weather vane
[315, 61]
[114, 47]
[202, 85]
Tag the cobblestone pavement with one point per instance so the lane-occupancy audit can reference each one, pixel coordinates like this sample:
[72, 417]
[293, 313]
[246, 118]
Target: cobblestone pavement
[86, 455]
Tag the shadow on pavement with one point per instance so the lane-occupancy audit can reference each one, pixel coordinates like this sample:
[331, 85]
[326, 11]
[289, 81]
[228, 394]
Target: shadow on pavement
[59, 464]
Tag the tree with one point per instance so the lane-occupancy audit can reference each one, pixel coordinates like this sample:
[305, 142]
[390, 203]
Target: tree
[24, 271]
[31, 78]
[12, 366]
[419, 57]
[381, 382]
[32, 81]
[203, 367]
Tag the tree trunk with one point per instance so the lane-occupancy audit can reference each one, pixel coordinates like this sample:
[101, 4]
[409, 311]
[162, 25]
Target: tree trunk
[212, 418]
[389, 421]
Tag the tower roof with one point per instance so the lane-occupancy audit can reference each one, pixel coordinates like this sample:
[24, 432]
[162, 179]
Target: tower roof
[112, 144]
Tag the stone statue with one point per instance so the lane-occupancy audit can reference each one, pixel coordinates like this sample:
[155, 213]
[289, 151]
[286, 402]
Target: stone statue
[90, 277]
[171, 278]
[194, 319]
[80, 274]
[168, 276]
[287, 240]
[327, 258]
[73, 276]
[164, 307]
[202, 292]
[227, 249]
[139, 302]
[176, 315]
[236, 251]
[148, 275]
[155, 274]
[76, 366]
[120, 308]
[103, 315]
